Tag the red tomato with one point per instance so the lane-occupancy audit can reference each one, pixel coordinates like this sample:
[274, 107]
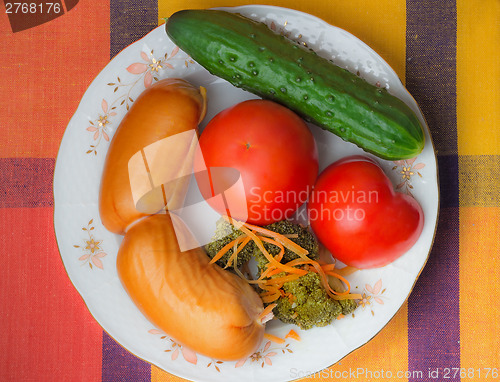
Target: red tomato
[273, 150]
[359, 218]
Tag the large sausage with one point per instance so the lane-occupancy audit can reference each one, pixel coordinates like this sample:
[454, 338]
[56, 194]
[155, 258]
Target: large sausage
[209, 310]
[169, 107]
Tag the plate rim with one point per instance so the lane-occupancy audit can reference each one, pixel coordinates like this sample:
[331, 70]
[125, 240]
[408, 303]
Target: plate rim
[235, 9]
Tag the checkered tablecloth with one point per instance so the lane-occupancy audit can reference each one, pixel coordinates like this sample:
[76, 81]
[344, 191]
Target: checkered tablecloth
[447, 52]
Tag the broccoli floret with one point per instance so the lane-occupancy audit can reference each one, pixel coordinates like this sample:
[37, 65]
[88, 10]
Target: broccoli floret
[304, 238]
[304, 301]
[224, 234]
[348, 306]
[306, 304]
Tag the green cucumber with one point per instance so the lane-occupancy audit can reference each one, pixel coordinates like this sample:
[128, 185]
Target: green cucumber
[251, 56]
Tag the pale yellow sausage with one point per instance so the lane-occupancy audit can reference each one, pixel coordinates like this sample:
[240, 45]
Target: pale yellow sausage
[211, 311]
[170, 106]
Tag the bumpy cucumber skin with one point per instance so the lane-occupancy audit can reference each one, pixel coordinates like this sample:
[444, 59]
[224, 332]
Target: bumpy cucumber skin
[251, 56]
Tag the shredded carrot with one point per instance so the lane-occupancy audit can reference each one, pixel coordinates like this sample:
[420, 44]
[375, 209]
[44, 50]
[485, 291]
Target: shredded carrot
[317, 268]
[293, 334]
[340, 316]
[270, 298]
[266, 312]
[279, 256]
[267, 272]
[268, 256]
[234, 255]
[271, 294]
[274, 271]
[272, 337]
[226, 248]
[349, 296]
[346, 271]
[283, 279]
[341, 278]
[235, 247]
[270, 288]
[324, 280]
[333, 294]
[292, 246]
[323, 269]
[327, 267]
[262, 280]
[238, 272]
[300, 261]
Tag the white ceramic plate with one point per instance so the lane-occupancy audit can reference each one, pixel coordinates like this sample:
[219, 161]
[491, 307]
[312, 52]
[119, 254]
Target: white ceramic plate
[88, 250]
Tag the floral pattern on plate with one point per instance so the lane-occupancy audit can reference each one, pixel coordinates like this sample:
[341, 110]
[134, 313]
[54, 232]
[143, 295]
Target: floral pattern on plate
[263, 355]
[407, 168]
[146, 72]
[92, 251]
[372, 294]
